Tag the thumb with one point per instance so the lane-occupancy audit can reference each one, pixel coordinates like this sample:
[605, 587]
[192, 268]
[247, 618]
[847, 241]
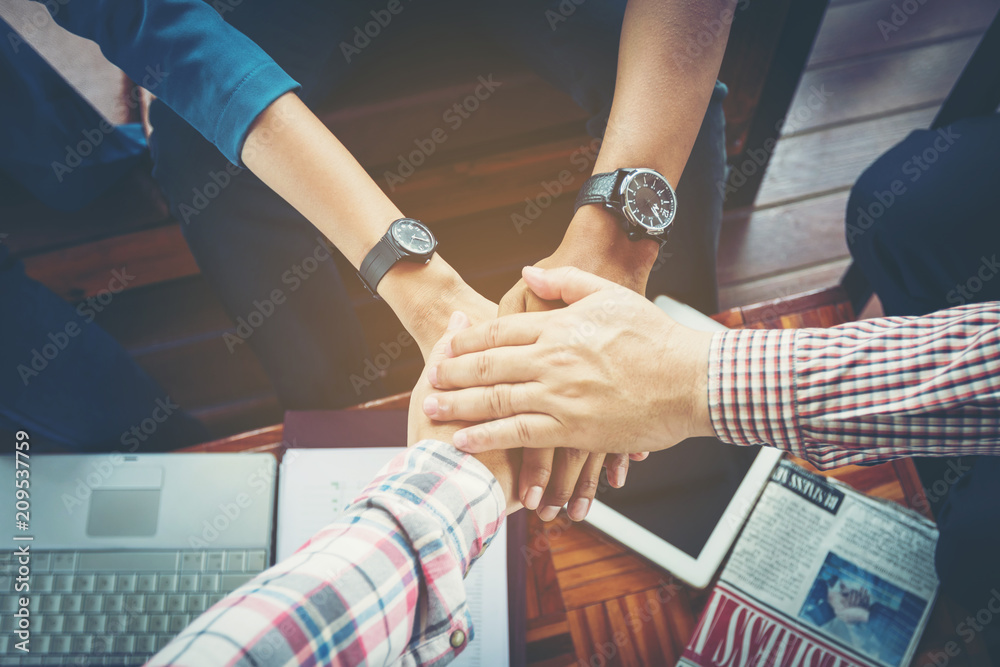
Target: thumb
[458, 321]
[566, 283]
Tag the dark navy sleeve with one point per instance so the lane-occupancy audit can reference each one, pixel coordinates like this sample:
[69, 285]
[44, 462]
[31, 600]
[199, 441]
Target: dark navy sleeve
[211, 74]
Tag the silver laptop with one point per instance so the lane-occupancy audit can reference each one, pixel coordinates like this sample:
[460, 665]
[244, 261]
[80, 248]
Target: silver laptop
[126, 550]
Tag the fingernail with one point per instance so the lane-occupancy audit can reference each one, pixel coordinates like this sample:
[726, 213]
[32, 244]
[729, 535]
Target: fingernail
[533, 497]
[460, 440]
[532, 272]
[430, 406]
[432, 375]
[548, 513]
[622, 474]
[578, 508]
[456, 320]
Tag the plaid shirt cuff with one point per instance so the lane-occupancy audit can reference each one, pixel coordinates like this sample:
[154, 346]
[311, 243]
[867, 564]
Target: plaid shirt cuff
[863, 392]
[751, 388]
[449, 519]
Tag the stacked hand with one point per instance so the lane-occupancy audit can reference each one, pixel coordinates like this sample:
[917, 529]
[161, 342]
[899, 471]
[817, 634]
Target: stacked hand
[553, 378]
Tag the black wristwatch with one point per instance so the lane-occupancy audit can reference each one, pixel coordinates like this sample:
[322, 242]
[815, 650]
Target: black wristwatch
[642, 199]
[407, 240]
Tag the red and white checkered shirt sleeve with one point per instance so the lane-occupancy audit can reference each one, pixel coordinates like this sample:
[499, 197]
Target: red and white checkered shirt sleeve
[382, 584]
[863, 392]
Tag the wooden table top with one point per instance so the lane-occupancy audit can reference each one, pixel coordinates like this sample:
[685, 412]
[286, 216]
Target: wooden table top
[591, 601]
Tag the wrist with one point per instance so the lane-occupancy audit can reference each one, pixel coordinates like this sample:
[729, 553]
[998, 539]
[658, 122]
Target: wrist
[423, 296]
[595, 237]
[502, 463]
[697, 348]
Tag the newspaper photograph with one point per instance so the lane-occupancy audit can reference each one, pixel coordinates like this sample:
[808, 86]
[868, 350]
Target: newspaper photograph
[821, 575]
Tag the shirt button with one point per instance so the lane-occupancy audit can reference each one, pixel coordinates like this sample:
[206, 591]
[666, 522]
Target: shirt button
[457, 638]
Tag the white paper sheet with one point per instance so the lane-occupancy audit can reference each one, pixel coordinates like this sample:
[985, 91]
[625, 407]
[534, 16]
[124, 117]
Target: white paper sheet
[315, 485]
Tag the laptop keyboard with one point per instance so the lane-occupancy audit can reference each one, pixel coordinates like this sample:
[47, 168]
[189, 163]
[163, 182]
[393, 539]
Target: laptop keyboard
[115, 607]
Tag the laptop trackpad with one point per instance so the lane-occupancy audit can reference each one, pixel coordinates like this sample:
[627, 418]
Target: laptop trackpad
[127, 504]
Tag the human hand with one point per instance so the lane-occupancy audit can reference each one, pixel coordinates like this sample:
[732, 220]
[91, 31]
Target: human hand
[609, 373]
[550, 477]
[852, 606]
[503, 464]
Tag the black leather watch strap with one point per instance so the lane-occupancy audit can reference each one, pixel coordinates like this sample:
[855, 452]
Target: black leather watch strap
[377, 263]
[599, 189]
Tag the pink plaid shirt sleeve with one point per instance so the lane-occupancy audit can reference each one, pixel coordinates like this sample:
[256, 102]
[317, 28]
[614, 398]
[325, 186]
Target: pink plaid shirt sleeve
[863, 392]
[383, 584]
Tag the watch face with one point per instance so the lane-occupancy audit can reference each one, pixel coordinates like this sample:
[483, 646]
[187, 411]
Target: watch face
[649, 200]
[413, 237]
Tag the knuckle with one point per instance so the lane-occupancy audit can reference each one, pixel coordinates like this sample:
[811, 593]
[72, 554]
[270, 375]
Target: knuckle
[484, 367]
[575, 456]
[522, 430]
[498, 400]
[540, 475]
[493, 333]
[560, 496]
[587, 487]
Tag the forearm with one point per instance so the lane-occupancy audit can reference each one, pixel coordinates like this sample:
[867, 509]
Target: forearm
[661, 96]
[292, 152]
[865, 391]
[661, 92]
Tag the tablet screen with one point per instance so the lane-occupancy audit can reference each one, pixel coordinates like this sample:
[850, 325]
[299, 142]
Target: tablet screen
[681, 493]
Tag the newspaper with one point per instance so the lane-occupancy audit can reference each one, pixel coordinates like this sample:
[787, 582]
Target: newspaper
[821, 575]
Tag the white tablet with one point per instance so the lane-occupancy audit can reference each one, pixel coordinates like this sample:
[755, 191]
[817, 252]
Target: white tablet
[683, 507]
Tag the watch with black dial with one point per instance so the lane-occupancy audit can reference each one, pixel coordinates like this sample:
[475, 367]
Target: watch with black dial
[406, 240]
[642, 199]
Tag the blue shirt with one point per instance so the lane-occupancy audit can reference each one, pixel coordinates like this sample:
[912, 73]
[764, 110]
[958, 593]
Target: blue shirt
[214, 77]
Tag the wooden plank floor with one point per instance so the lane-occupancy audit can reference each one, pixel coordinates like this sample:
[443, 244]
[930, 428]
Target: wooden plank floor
[862, 92]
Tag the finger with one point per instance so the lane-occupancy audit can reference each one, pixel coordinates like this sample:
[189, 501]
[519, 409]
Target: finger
[536, 431]
[586, 487]
[566, 467]
[566, 283]
[458, 321]
[516, 329]
[514, 300]
[536, 470]
[479, 404]
[617, 465]
[503, 365]
[641, 456]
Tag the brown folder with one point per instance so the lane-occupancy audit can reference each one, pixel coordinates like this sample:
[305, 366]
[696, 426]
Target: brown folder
[387, 428]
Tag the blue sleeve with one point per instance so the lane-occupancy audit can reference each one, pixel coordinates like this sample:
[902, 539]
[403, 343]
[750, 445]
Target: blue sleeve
[182, 51]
